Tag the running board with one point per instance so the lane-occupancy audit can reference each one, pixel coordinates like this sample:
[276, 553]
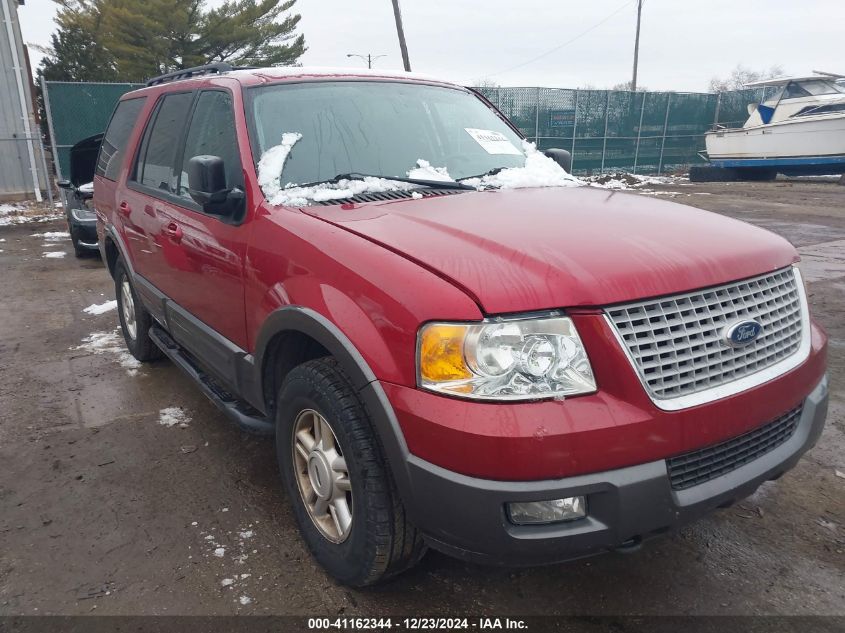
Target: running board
[241, 414]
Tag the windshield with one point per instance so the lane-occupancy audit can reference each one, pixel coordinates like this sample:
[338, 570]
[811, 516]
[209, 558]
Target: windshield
[379, 128]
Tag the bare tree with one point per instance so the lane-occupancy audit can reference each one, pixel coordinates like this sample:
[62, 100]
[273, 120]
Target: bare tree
[741, 75]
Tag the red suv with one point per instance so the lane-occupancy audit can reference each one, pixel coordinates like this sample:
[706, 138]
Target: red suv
[455, 343]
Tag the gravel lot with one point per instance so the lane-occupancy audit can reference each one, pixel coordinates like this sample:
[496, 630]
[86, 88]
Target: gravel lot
[124, 491]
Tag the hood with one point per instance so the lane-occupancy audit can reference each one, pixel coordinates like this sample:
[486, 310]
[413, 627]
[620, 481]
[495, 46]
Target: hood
[533, 249]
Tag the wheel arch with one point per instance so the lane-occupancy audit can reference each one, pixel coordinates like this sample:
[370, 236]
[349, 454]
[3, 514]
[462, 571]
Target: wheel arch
[305, 332]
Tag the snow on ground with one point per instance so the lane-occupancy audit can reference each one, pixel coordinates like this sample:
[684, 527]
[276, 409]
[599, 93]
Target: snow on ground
[623, 181]
[53, 254]
[112, 344]
[24, 213]
[101, 308]
[425, 171]
[273, 162]
[222, 544]
[53, 236]
[173, 416]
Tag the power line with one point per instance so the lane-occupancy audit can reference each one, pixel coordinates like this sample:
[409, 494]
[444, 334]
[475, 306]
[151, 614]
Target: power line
[567, 43]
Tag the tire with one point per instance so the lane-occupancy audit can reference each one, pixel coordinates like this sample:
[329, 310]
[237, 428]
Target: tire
[137, 338]
[380, 541]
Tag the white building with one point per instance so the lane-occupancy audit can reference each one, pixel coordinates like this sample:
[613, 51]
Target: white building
[22, 166]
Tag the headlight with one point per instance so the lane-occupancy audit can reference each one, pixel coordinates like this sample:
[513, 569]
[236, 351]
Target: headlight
[504, 359]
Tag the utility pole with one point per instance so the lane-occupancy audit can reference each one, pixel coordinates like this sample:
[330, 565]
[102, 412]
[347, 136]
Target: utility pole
[400, 31]
[367, 58]
[637, 45]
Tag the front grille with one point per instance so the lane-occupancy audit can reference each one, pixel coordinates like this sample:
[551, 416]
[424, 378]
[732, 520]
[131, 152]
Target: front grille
[677, 343]
[705, 464]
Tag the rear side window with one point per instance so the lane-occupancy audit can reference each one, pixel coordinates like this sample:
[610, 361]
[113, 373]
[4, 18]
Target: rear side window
[117, 135]
[158, 150]
[212, 132]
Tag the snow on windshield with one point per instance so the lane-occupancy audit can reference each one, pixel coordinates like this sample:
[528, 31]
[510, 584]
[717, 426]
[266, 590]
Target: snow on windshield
[425, 171]
[273, 162]
[539, 171]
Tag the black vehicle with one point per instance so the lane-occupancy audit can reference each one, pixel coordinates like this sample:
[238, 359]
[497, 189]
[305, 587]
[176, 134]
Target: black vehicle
[81, 219]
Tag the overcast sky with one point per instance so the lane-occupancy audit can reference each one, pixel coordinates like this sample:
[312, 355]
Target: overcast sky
[684, 44]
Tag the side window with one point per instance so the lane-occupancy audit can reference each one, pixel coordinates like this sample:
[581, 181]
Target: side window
[117, 135]
[158, 150]
[212, 133]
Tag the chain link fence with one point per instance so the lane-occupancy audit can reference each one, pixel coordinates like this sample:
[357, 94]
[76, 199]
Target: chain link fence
[606, 130]
[613, 130]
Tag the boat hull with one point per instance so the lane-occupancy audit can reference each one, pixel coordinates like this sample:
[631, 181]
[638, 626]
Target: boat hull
[813, 146]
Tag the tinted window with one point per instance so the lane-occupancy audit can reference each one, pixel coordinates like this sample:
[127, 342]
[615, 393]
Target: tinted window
[212, 133]
[117, 135]
[158, 150]
[793, 91]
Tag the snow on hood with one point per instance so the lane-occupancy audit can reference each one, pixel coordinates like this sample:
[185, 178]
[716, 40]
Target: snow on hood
[293, 196]
[539, 171]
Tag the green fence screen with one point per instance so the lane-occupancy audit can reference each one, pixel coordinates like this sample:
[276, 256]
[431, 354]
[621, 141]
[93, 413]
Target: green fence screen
[612, 130]
[76, 111]
[606, 130]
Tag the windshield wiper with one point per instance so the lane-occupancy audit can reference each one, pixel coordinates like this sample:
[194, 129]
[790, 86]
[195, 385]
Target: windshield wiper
[491, 172]
[434, 184]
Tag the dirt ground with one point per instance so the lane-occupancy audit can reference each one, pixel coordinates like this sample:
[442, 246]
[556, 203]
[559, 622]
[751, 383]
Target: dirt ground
[104, 509]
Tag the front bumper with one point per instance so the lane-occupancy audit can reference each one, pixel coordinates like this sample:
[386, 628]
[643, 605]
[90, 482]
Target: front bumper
[465, 516]
[84, 233]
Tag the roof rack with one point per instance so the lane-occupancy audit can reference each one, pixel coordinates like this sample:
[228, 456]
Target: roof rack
[187, 73]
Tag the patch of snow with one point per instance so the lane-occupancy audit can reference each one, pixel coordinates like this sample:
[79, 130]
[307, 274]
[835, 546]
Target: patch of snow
[272, 163]
[247, 534]
[220, 552]
[54, 254]
[539, 171]
[425, 171]
[111, 343]
[245, 600]
[3, 239]
[224, 510]
[622, 181]
[416, 195]
[53, 236]
[194, 523]
[101, 308]
[24, 214]
[295, 196]
[171, 416]
[227, 582]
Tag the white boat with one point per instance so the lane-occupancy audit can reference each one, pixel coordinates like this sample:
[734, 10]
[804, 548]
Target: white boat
[799, 130]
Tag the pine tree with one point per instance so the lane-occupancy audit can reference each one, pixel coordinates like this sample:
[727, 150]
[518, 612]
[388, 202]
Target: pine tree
[130, 40]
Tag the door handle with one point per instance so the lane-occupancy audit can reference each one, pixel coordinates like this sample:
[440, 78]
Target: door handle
[124, 209]
[173, 231]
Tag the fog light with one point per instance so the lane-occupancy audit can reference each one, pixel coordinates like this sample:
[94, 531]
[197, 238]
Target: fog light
[551, 511]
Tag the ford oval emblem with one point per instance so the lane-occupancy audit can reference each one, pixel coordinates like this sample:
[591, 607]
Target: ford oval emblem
[742, 333]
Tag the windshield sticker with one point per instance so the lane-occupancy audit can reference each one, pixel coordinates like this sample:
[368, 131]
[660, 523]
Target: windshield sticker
[493, 142]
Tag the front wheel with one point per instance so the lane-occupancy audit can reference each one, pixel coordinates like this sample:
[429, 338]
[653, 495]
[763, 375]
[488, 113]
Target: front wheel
[135, 321]
[343, 497]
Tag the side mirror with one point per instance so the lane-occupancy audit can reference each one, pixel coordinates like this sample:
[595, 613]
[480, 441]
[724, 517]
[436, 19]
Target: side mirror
[207, 180]
[64, 184]
[561, 157]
